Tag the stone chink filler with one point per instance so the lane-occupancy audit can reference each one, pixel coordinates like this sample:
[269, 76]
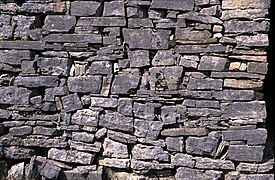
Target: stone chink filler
[134, 90]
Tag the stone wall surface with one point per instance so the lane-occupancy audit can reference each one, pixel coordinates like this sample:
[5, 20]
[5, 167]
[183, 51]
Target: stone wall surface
[133, 90]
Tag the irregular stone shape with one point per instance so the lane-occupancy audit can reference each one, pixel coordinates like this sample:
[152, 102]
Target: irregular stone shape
[205, 84]
[201, 145]
[191, 36]
[18, 153]
[85, 117]
[146, 38]
[165, 78]
[14, 57]
[24, 25]
[39, 8]
[184, 131]
[6, 29]
[244, 13]
[104, 102]
[174, 144]
[125, 106]
[139, 58]
[101, 68]
[194, 49]
[14, 95]
[20, 131]
[76, 38]
[114, 149]
[235, 26]
[114, 162]
[125, 83]
[85, 84]
[24, 45]
[44, 142]
[114, 8]
[173, 5]
[164, 58]
[234, 95]
[71, 102]
[49, 106]
[252, 137]
[121, 137]
[206, 112]
[87, 147]
[139, 22]
[170, 114]
[90, 22]
[245, 153]
[37, 81]
[246, 4]
[16, 171]
[50, 93]
[44, 131]
[116, 121]
[54, 66]
[243, 84]
[143, 152]
[258, 40]
[50, 170]
[238, 110]
[147, 129]
[144, 111]
[59, 23]
[189, 61]
[199, 17]
[70, 156]
[212, 63]
[184, 160]
[85, 8]
[4, 169]
[256, 176]
[259, 68]
[192, 174]
[216, 164]
[82, 137]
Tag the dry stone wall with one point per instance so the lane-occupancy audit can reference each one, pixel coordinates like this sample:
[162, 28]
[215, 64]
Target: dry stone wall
[136, 89]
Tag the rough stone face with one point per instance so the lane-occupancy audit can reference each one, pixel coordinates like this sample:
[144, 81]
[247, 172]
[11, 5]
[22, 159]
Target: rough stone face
[14, 95]
[83, 84]
[139, 58]
[20, 131]
[74, 38]
[116, 121]
[212, 63]
[59, 23]
[173, 4]
[71, 102]
[235, 26]
[101, 68]
[125, 83]
[114, 149]
[115, 162]
[114, 8]
[54, 66]
[174, 144]
[85, 117]
[70, 156]
[246, 4]
[245, 153]
[201, 145]
[37, 81]
[192, 174]
[14, 57]
[184, 132]
[164, 58]
[147, 129]
[184, 160]
[144, 152]
[85, 8]
[170, 114]
[204, 84]
[207, 163]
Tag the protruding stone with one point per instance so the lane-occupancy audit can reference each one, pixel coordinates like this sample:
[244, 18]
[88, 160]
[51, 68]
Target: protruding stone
[37, 81]
[201, 145]
[85, 8]
[173, 5]
[114, 149]
[59, 23]
[245, 153]
[116, 121]
[114, 8]
[212, 63]
[205, 84]
[139, 58]
[246, 4]
[143, 152]
[85, 84]
[71, 102]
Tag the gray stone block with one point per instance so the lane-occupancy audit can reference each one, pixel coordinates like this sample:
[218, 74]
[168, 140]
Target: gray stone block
[71, 102]
[85, 84]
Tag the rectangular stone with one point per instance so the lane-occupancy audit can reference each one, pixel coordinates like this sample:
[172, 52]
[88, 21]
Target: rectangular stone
[194, 174]
[252, 137]
[258, 40]
[85, 117]
[205, 112]
[59, 23]
[202, 145]
[125, 83]
[104, 102]
[85, 84]
[121, 137]
[246, 4]
[14, 57]
[37, 81]
[216, 164]
[236, 26]
[191, 36]
[194, 49]
[243, 84]
[77, 38]
[24, 45]
[238, 110]
[40, 8]
[14, 95]
[54, 66]
[186, 5]
[70, 156]
[234, 95]
[89, 22]
[205, 84]
[249, 58]
[244, 13]
[116, 121]
[212, 63]
[259, 68]
[144, 152]
[184, 131]
[147, 129]
[115, 163]
[71, 102]
[245, 153]
[85, 8]
[236, 75]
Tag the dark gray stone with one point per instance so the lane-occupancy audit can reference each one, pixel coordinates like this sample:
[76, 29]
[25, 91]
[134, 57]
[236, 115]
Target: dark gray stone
[174, 144]
[164, 58]
[85, 84]
[201, 145]
[125, 83]
[252, 137]
[125, 106]
[50, 93]
[83, 137]
[144, 111]
[213, 63]
[85, 117]
[192, 174]
[70, 156]
[233, 95]
[90, 22]
[171, 114]
[199, 17]
[59, 23]
[37, 81]
[76, 38]
[259, 68]
[24, 45]
[50, 171]
[245, 153]
[20, 131]
[44, 131]
[173, 5]
[49, 107]
[34, 7]
[114, 8]
[116, 121]
[147, 129]
[205, 84]
[114, 149]
[6, 29]
[14, 95]
[71, 102]
[4, 169]
[101, 68]
[85, 8]
[54, 66]
[206, 112]
[193, 49]
[238, 110]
